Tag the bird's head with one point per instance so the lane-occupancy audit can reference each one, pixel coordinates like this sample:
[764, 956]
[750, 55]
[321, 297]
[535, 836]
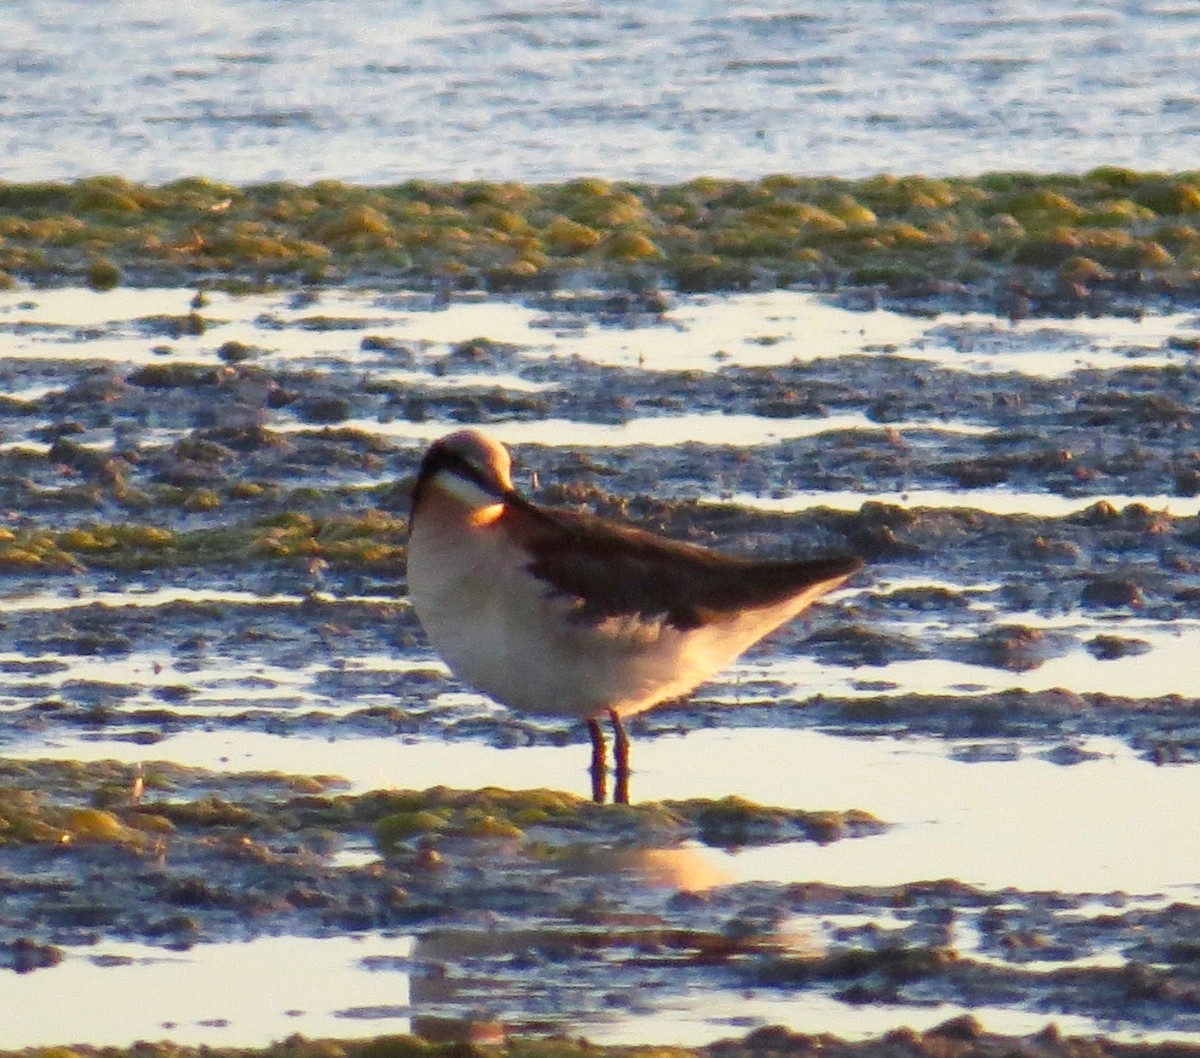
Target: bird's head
[467, 467]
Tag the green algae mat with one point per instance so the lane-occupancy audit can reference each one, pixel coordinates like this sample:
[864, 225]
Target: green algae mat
[1063, 236]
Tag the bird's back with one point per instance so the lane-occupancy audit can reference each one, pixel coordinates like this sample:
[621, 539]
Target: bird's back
[614, 569]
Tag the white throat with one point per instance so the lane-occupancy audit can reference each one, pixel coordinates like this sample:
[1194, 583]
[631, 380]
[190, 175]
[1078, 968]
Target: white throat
[483, 504]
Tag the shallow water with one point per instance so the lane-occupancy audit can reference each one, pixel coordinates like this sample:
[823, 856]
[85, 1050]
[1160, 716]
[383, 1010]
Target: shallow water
[715, 428]
[1064, 803]
[968, 819]
[242, 90]
[994, 501]
[217, 995]
[703, 333]
[349, 986]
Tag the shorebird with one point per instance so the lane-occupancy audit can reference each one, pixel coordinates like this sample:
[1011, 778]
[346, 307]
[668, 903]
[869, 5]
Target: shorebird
[556, 612]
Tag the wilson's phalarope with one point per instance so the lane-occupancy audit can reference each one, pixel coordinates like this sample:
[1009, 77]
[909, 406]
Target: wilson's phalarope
[551, 611]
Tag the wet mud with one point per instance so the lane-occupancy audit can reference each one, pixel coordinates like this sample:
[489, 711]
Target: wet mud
[215, 543]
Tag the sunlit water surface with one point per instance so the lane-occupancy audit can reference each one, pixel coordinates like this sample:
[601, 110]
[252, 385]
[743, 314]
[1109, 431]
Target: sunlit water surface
[249, 91]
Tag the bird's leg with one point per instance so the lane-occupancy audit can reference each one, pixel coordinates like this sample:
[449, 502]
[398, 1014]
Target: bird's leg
[599, 769]
[621, 754]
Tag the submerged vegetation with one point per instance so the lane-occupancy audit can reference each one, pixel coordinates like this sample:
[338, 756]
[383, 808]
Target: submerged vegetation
[66, 802]
[1063, 233]
[370, 540]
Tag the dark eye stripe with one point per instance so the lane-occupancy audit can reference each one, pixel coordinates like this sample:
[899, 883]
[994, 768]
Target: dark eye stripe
[442, 459]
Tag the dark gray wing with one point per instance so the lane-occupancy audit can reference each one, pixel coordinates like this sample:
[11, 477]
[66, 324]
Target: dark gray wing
[613, 570]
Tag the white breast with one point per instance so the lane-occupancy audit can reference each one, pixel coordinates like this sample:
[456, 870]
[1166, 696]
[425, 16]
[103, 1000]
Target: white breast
[501, 631]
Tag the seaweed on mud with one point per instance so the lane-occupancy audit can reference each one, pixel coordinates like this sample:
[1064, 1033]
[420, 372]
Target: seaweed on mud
[499, 813]
[170, 837]
[1016, 242]
[732, 822]
[372, 539]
